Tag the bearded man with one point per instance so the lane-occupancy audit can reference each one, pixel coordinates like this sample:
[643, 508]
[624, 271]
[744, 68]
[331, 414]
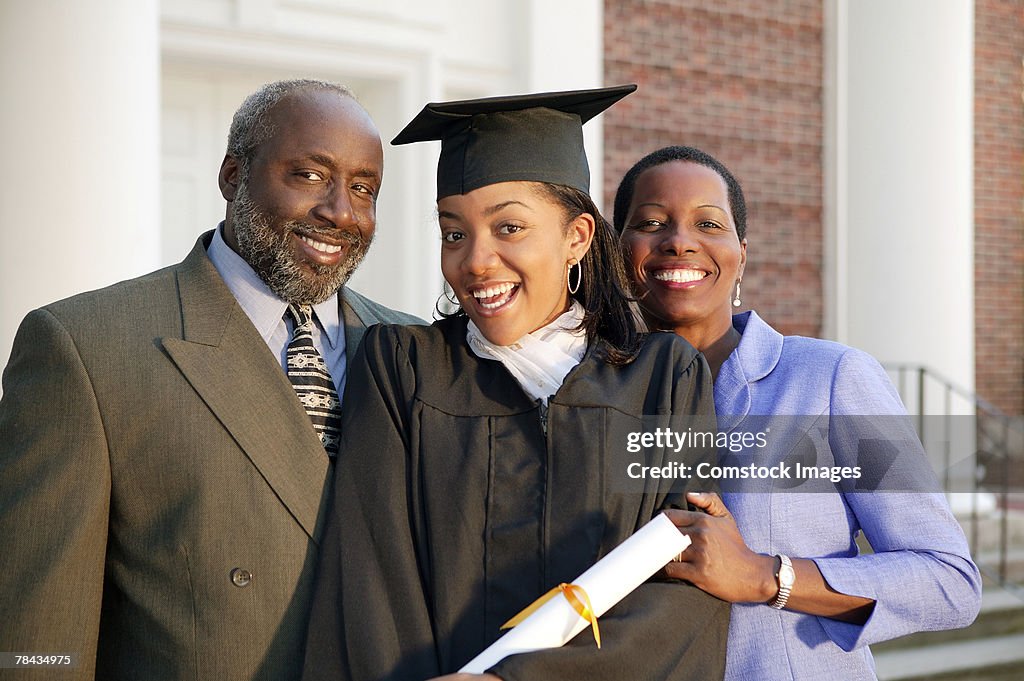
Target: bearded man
[165, 442]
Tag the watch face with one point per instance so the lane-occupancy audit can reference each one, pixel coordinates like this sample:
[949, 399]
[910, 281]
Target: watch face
[786, 576]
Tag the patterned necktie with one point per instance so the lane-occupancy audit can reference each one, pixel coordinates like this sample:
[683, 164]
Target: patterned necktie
[308, 374]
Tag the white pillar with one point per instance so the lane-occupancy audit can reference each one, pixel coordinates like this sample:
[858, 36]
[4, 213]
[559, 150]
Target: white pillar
[901, 201]
[80, 168]
[566, 42]
[403, 269]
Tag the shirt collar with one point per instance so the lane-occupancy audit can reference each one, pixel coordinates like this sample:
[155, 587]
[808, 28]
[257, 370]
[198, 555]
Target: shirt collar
[259, 303]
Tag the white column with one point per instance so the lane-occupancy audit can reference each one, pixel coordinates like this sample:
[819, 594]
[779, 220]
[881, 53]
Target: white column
[80, 168]
[900, 213]
[403, 268]
[835, 209]
[566, 41]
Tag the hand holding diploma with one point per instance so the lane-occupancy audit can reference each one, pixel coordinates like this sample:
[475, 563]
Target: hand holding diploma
[607, 582]
[720, 562]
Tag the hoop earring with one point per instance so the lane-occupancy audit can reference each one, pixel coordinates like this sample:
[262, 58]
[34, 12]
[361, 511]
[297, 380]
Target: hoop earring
[579, 276]
[736, 301]
[444, 292]
[453, 305]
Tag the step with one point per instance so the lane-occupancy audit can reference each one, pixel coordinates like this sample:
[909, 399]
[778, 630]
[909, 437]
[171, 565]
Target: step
[988, 535]
[991, 659]
[989, 562]
[1002, 613]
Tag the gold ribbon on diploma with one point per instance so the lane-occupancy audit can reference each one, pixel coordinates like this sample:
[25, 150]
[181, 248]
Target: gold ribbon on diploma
[573, 594]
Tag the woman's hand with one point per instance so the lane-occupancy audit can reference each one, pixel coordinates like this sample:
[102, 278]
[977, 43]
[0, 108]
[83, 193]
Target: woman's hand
[718, 560]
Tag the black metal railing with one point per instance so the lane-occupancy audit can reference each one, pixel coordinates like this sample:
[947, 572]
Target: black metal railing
[994, 465]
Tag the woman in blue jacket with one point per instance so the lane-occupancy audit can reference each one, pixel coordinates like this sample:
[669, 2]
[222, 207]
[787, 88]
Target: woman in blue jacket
[806, 603]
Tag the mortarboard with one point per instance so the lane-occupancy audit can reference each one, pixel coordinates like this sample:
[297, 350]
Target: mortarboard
[535, 137]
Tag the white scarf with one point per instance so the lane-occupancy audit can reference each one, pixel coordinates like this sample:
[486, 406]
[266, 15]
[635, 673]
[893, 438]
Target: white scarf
[539, 360]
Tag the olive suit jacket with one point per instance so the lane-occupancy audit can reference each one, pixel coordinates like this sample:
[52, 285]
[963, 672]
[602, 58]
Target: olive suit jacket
[161, 487]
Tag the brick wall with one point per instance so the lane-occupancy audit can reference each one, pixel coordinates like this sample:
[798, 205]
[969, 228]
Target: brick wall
[741, 80]
[999, 202]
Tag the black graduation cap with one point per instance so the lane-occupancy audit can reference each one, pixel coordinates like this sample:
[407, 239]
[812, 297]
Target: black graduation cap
[535, 137]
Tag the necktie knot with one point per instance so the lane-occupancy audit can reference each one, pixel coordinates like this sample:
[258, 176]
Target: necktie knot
[302, 315]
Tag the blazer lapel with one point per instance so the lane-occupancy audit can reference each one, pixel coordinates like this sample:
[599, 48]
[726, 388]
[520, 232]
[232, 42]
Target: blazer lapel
[732, 395]
[753, 359]
[232, 369]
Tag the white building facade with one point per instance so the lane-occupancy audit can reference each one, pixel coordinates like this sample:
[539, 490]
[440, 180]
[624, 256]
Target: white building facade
[111, 165]
[116, 114]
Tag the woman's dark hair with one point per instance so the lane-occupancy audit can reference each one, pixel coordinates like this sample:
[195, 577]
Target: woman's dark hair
[604, 289]
[624, 195]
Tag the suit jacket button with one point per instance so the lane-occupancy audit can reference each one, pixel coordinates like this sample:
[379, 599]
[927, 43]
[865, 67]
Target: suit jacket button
[240, 577]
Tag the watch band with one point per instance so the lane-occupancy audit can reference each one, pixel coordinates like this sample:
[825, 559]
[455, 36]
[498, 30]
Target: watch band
[785, 576]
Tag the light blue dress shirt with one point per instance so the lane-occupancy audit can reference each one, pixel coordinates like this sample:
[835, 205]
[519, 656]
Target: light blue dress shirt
[267, 311]
[920, 574]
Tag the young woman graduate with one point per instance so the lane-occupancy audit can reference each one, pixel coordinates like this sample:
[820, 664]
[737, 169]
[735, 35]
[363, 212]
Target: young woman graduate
[477, 467]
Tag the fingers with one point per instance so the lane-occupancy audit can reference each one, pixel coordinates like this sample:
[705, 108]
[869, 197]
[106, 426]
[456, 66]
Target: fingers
[681, 518]
[684, 571]
[709, 502]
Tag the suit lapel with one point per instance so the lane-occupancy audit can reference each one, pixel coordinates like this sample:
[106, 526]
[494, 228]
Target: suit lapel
[355, 315]
[230, 366]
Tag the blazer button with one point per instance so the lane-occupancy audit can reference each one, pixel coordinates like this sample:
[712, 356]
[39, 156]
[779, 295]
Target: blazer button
[240, 577]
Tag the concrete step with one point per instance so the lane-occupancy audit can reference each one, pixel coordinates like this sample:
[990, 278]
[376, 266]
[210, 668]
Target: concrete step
[986, 532]
[1000, 658]
[991, 565]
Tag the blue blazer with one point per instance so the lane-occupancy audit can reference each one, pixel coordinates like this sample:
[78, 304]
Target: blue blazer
[920, 575]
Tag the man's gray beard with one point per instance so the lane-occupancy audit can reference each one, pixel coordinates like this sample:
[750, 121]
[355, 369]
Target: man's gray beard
[269, 253]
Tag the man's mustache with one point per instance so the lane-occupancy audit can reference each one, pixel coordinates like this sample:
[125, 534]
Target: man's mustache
[331, 232]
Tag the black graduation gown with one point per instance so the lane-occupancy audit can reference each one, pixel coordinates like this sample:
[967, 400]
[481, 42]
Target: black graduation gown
[453, 509]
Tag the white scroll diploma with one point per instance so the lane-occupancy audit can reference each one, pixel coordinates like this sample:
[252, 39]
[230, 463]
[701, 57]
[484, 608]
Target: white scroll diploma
[607, 582]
